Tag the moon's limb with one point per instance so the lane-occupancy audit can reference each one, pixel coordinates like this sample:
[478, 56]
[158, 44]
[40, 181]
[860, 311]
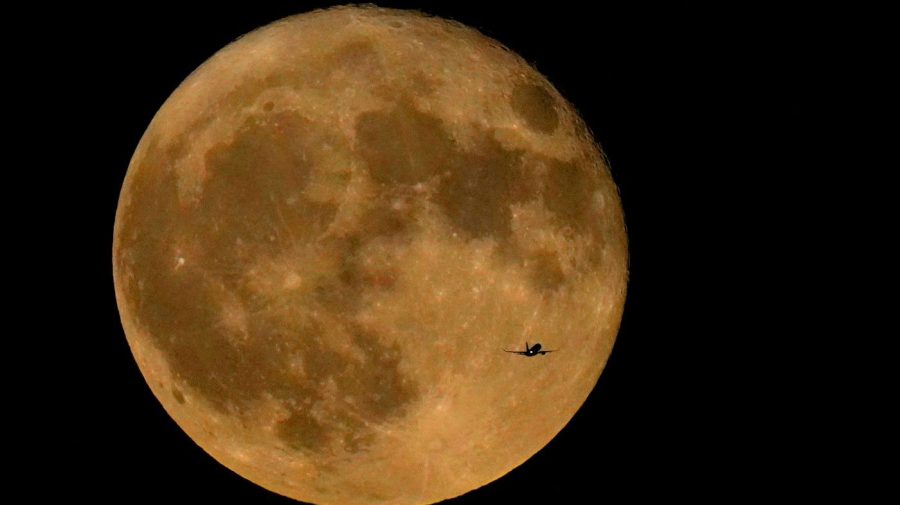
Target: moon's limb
[329, 229]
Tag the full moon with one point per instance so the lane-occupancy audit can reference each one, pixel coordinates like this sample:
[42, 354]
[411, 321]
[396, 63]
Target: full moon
[331, 231]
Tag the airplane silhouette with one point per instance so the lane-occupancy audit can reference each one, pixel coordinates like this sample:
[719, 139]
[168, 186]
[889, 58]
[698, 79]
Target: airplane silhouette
[531, 351]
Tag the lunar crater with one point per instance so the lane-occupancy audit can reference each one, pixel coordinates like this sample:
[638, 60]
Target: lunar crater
[536, 106]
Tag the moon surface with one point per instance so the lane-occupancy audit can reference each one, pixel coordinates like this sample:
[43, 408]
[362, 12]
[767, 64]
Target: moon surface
[329, 233]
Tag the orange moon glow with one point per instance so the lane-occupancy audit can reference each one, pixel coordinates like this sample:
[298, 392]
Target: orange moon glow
[329, 233]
